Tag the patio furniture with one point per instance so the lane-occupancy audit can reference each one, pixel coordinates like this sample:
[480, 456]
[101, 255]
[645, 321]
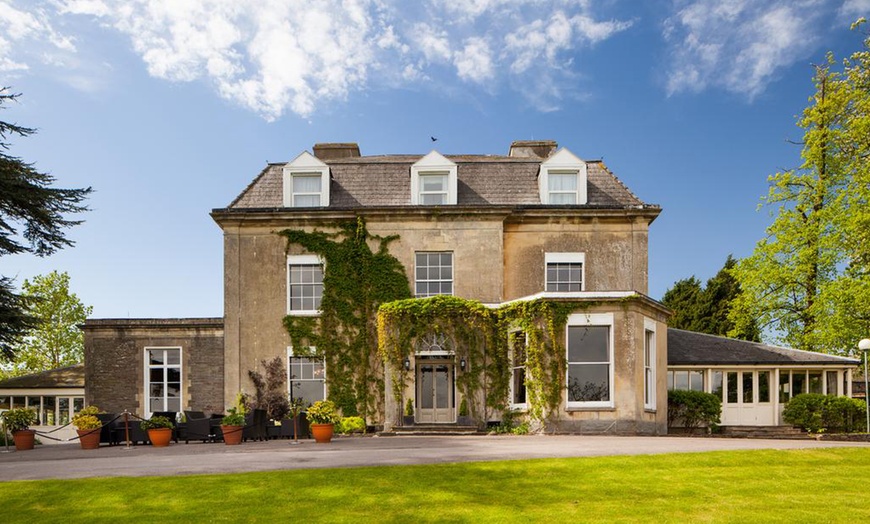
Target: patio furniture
[255, 425]
[287, 427]
[198, 427]
[120, 432]
[106, 431]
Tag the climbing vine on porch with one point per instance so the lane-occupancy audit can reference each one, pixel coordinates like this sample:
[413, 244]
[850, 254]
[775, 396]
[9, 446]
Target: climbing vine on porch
[357, 280]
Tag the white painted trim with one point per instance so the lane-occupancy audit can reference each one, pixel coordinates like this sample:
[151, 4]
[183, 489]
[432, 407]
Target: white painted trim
[566, 258]
[434, 163]
[523, 406]
[650, 390]
[560, 162]
[146, 399]
[305, 164]
[593, 319]
[287, 364]
[589, 295]
[301, 260]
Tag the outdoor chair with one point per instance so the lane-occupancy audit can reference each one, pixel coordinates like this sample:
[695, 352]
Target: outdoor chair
[287, 427]
[106, 431]
[255, 425]
[198, 427]
[135, 432]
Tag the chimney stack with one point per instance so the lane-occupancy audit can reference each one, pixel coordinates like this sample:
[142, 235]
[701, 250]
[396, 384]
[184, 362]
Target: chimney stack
[336, 150]
[533, 148]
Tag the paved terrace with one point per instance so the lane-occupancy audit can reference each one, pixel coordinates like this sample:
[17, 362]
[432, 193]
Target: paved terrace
[68, 461]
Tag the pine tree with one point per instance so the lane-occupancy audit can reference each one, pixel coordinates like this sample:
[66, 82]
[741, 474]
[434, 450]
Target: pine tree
[32, 220]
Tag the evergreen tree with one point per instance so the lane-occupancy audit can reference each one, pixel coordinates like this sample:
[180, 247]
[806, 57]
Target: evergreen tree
[32, 220]
[705, 309]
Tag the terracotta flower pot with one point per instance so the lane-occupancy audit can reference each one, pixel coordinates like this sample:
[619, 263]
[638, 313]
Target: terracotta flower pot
[160, 437]
[24, 439]
[232, 434]
[322, 433]
[89, 438]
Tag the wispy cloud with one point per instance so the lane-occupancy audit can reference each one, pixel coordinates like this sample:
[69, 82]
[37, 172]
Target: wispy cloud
[291, 56]
[738, 45]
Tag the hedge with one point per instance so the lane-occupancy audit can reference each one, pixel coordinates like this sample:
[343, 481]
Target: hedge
[693, 408]
[818, 413]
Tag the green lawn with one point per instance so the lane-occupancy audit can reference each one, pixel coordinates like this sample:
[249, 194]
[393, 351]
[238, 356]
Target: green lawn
[830, 485]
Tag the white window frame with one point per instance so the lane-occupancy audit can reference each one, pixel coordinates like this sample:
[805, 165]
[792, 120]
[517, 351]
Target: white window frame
[592, 320]
[452, 280]
[290, 355]
[519, 406]
[148, 367]
[302, 260]
[649, 364]
[565, 258]
[562, 162]
[433, 164]
[306, 165]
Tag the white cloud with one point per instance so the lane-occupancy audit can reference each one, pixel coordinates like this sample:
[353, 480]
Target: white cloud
[279, 56]
[852, 9]
[738, 45]
[474, 61]
[31, 33]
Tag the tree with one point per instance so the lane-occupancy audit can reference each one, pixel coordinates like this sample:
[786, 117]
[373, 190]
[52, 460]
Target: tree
[808, 278]
[705, 309]
[32, 220]
[55, 341]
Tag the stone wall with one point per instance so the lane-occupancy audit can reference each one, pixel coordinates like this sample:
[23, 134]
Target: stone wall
[115, 361]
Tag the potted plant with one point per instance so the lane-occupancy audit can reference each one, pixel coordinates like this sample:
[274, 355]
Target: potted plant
[232, 425]
[88, 426]
[18, 421]
[408, 419]
[322, 417]
[159, 430]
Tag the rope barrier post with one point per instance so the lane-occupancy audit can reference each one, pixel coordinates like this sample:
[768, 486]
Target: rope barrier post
[127, 429]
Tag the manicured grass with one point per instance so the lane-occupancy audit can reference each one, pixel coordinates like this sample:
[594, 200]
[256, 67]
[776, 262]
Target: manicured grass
[829, 485]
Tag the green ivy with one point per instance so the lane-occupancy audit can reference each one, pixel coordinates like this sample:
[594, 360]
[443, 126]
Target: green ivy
[357, 280]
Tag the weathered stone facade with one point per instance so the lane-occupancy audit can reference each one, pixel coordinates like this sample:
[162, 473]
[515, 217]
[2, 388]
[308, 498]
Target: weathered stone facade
[115, 361]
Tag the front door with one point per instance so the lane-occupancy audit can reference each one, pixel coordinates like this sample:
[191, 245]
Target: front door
[435, 392]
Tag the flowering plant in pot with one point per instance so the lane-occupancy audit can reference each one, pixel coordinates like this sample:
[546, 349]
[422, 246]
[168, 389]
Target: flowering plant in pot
[159, 430]
[88, 426]
[322, 416]
[234, 422]
[18, 421]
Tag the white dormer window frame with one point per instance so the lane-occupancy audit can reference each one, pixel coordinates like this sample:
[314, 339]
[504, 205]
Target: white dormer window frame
[435, 166]
[305, 167]
[560, 168]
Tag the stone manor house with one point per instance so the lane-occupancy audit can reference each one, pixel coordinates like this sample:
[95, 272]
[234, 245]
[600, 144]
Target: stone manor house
[536, 225]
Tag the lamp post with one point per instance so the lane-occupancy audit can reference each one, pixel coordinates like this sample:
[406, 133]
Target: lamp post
[864, 346]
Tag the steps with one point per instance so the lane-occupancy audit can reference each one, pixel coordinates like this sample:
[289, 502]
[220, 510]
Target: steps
[434, 429]
[775, 432]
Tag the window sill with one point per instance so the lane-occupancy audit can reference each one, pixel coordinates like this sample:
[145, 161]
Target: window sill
[590, 408]
[649, 410]
[303, 313]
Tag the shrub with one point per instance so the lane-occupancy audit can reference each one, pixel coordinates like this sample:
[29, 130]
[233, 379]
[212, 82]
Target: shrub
[19, 419]
[349, 425]
[87, 418]
[694, 409]
[816, 413]
[322, 412]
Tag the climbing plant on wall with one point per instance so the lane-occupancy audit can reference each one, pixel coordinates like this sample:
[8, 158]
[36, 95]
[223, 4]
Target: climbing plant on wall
[356, 281]
[472, 330]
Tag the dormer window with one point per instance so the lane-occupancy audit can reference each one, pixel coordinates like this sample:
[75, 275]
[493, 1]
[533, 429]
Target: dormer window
[562, 179]
[433, 181]
[306, 182]
[433, 189]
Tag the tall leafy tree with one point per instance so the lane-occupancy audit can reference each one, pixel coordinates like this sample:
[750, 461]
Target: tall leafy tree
[55, 341]
[33, 219]
[807, 281]
[705, 309]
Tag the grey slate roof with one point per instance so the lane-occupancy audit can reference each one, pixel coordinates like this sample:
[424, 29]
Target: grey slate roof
[687, 348]
[68, 377]
[483, 180]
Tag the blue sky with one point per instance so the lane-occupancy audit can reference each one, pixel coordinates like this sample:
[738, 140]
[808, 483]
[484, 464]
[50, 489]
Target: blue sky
[169, 108]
